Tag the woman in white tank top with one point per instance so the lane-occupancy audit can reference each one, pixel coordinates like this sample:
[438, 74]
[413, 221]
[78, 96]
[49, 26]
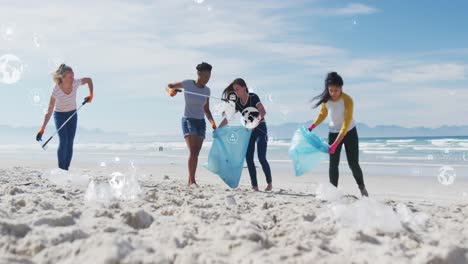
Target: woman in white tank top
[63, 100]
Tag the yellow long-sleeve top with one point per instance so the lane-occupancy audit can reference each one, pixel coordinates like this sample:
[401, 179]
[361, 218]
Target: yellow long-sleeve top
[341, 114]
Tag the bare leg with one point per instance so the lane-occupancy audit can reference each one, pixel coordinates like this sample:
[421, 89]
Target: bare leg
[194, 144]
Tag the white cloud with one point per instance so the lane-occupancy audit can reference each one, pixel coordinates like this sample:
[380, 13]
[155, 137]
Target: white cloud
[408, 105]
[363, 68]
[121, 36]
[134, 48]
[352, 9]
[399, 69]
[296, 50]
[428, 73]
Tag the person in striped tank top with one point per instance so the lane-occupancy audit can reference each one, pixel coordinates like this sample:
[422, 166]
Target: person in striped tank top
[63, 100]
[337, 105]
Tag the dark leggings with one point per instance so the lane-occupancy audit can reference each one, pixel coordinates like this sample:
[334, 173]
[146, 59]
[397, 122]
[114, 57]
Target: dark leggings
[259, 136]
[66, 138]
[351, 143]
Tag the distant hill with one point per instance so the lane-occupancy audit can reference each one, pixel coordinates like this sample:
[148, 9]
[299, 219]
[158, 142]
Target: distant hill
[285, 131]
[25, 135]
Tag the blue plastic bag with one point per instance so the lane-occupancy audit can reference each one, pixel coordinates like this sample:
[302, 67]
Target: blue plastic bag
[227, 154]
[306, 151]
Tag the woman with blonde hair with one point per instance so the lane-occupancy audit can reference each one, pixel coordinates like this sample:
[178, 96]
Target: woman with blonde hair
[63, 100]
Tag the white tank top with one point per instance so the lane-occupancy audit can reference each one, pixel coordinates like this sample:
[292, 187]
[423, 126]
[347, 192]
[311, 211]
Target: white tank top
[66, 102]
[336, 112]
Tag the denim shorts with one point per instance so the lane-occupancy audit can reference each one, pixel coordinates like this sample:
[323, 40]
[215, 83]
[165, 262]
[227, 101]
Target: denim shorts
[192, 126]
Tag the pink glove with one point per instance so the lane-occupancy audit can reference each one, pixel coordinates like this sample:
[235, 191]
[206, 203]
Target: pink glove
[332, 148]
[311, 127]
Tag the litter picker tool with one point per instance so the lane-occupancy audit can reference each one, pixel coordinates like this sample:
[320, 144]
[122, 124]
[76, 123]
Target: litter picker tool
[203, 95]
[55, 133]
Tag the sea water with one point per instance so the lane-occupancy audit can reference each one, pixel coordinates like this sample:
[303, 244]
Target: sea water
[442, 158]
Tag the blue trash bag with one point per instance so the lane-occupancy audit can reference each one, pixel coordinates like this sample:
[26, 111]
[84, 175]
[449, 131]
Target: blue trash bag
[307, 151]
[227, 153]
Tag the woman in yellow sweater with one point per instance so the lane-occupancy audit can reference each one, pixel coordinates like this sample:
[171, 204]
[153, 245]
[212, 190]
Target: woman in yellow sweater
[342, 128]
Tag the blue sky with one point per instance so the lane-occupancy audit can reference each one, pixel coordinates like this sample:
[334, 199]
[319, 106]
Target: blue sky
[403, 62]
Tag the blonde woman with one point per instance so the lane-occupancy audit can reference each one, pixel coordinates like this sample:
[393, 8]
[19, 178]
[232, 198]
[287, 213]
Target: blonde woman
[63, 100]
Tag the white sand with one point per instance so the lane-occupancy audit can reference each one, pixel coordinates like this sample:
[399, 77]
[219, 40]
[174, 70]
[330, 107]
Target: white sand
[44, 223]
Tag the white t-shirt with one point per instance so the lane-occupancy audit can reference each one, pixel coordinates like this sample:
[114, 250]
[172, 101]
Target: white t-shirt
[66, 102]
[340, 112]
[336, 112]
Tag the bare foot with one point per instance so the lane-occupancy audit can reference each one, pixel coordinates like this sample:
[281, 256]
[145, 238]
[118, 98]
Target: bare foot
[193, 185]
[269, 187]
[255, 188]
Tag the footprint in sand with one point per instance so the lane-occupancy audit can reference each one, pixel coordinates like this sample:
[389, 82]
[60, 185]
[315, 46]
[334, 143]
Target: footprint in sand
[65, 220]
[16, 230]
[230, 201]
[138, 220]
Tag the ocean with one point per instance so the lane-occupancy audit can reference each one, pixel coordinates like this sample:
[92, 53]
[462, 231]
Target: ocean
[412, 157]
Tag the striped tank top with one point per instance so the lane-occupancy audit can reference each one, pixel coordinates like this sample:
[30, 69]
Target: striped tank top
[66, 102]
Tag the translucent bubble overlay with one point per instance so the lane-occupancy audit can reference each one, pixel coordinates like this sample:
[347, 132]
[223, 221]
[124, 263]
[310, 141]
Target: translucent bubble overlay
[119, 183]
[416, 171]
[229, 109]
[38, 40]
[125, 186]
[11, 69]
[74, 178]
[218, 108]
[8, 31]
[37, 97]
[250, 117]
[447, 175]
[271, 97]
[270, 139]
[232, 96]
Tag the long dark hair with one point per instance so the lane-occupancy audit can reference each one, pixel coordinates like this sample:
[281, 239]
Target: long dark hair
[230, 89]
[334, 79]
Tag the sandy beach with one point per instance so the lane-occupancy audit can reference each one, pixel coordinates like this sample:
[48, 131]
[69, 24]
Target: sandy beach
[44, 221]
[128, 97]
